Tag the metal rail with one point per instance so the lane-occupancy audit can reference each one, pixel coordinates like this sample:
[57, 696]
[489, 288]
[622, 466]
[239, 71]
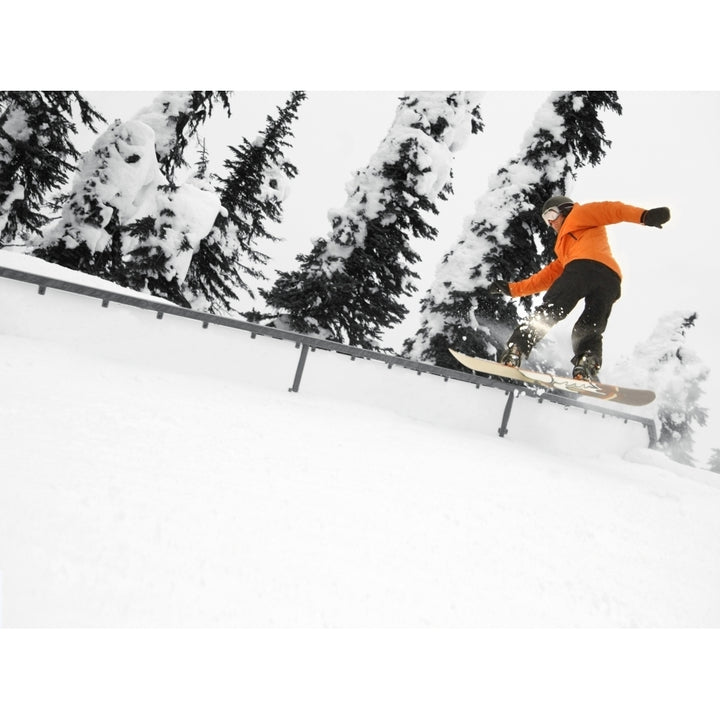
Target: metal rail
[308, 342]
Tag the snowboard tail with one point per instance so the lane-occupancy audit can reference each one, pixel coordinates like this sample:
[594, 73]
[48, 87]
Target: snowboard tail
[612, 393]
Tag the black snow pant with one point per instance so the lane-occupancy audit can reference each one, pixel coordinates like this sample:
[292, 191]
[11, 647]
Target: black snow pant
[590, 280]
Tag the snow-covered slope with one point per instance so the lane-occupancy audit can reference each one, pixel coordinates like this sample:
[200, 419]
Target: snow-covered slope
[157, 474]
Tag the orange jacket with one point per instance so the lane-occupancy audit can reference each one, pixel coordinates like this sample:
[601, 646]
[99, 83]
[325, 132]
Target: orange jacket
[582, 236]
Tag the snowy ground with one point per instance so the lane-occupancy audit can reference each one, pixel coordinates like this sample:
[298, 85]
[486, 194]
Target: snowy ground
[155, 474]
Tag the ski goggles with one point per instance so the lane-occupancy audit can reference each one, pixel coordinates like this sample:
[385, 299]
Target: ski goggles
[551, 214]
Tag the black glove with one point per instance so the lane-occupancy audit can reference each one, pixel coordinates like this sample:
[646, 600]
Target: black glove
[498, 287]
[655, 217]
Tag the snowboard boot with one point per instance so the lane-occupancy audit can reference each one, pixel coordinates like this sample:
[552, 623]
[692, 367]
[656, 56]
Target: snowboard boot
[586, 368]
[510, 356]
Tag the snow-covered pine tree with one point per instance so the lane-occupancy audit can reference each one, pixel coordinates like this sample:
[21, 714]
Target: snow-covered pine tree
[251, 194]
[159, 247]
[123, 223]
[175, 117]
[112, 175]
[349, 287]
[36, 154]
[665, 363]
[714, 463]
[203, 161]
[505, 238]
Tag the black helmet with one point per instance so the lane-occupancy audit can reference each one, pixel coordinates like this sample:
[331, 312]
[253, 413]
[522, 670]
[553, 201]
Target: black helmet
[562, 203]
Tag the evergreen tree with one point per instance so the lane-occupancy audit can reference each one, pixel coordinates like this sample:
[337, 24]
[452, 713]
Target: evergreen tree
[119, 170]
[678, 378]
[36, 154]
[251, 194]
[123, 222]
[349, 287]
[506, 238]
[175, 117]
[667, 364]
[159, 247]
[201, 173]
[714, 464]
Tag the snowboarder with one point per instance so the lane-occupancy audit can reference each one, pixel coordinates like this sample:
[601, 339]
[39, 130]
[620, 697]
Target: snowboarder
[583, 269]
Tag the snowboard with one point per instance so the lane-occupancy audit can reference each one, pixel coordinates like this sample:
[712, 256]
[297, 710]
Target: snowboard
[613, 393]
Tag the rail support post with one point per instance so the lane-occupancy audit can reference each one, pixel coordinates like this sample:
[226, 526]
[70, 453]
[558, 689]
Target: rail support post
[299, 370]
[502, 430]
